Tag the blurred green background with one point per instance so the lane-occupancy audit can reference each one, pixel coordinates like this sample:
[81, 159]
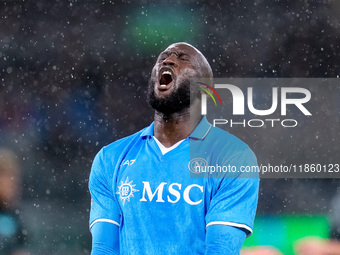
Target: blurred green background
[283, 231]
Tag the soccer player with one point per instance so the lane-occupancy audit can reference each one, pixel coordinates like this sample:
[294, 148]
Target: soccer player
[144, 200]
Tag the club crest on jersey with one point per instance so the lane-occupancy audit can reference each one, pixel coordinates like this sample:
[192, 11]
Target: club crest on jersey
[126, 190]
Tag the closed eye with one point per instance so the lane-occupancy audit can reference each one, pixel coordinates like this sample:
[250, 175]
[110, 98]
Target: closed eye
[163, 56]
[184, 57]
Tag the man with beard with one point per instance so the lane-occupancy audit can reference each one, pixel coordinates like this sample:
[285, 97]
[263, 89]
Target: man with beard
[144, 200]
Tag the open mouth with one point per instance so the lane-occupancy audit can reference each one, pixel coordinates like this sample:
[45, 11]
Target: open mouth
[165, 79]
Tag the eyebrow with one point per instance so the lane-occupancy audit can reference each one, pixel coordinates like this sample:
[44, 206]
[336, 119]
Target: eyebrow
[181, 53]
[178, 53]
[164, 53]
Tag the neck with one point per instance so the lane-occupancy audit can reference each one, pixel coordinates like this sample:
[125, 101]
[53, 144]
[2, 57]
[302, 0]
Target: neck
[169, 129]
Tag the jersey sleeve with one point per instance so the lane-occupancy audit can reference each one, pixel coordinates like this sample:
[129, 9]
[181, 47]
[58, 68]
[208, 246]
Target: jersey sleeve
[104, 207]
[224, 240]
[235, 200]
[105, 239]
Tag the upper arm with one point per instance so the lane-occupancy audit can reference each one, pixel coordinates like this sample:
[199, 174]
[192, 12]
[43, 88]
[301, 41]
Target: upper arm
[235, 201]
[224, 240]
[104, 207]
[105, 239]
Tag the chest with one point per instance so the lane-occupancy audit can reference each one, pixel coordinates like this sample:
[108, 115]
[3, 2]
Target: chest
[147, 179]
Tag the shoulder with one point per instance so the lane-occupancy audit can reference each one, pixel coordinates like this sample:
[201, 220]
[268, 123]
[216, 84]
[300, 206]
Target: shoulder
[113, 151]
[228, 150]
[106, 163]
[222, 139]
[123, 142]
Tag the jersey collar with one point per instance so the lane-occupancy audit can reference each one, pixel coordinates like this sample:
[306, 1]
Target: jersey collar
[202, 129]
[200, 132]
[148, 131]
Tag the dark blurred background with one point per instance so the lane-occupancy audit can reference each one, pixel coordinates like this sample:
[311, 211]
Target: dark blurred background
[74, 74]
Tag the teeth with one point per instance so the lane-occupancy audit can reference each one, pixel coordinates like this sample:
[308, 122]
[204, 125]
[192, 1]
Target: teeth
[166, 72]
[163, 85]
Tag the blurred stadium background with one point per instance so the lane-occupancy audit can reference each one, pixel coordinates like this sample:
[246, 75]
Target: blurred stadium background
[74, 77]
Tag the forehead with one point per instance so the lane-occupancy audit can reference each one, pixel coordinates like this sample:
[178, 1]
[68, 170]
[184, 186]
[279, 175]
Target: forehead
[181, 48]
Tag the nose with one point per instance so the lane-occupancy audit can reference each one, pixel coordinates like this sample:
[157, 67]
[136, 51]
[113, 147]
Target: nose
[170, 61]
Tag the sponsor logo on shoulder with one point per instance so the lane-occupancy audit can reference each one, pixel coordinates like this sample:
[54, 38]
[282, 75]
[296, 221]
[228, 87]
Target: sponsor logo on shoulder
[128, 162]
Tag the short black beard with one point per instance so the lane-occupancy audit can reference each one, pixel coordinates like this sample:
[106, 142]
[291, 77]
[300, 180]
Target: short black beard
[178, 101]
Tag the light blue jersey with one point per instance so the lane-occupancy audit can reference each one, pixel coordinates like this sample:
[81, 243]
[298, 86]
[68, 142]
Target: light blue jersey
[153, 199]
